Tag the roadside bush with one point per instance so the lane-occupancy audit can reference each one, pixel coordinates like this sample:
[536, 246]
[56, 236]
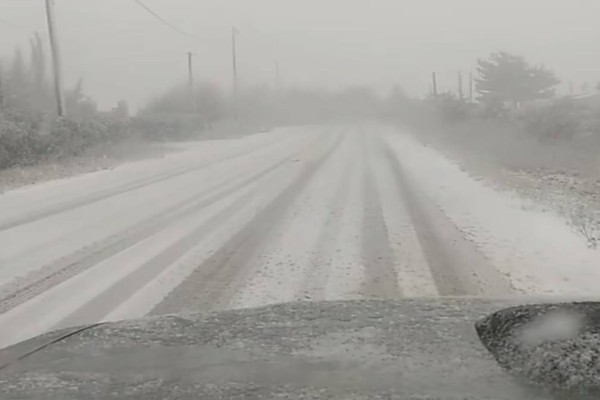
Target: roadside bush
[22, 142]
[451, 107]
[559, 121]
[17, 144]
[163, 127]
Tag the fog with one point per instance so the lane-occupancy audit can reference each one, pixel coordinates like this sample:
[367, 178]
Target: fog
[122, 52]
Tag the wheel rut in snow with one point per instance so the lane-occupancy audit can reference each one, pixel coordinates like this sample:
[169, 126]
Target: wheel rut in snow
[378, 260]
[457, 266]
[16, 293]
[103, 304]
[87, 200]
[315, 280]
[216, 280]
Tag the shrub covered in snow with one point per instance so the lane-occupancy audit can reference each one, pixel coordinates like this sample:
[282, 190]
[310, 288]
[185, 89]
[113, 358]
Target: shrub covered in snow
[24, 142]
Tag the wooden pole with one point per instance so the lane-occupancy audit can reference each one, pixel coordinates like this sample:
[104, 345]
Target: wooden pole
[56, 60]
[470, 87]
[190, 57]
[235, 71]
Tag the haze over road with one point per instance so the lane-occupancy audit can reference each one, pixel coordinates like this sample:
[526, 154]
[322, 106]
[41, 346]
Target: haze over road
[296, 214]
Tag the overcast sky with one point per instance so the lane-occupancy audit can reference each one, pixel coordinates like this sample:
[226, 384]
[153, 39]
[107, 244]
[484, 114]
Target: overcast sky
[122, 52]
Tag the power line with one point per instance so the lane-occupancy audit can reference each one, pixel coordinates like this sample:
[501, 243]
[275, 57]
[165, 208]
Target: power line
[161, 19]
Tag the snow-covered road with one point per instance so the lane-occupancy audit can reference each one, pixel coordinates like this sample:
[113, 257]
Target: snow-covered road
[297, 214]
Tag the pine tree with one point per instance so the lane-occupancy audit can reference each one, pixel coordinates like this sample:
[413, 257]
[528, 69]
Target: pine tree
[508, 78]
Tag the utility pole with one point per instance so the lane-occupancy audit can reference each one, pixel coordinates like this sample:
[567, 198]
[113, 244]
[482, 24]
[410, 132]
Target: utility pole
[1, 86]
[470, 87]
[435, 89]
[56, 61]
[191, 81]
[460, 85]
[234, 33]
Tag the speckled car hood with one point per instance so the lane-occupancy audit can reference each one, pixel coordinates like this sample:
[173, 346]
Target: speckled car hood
[407, 349]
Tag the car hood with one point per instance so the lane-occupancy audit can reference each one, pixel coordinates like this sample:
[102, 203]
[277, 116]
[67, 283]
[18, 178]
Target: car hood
[407, 349]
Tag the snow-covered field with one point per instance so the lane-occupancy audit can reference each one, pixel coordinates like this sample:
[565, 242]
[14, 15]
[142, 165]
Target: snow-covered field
[297, 214]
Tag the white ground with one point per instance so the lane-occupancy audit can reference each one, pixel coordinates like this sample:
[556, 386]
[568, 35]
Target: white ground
[298, 214]
[538, 250]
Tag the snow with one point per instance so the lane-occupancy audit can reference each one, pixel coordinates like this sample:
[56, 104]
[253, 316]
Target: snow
[34, 247]
[538, 251]
[412, 270]
[347, 270]
[28, 247]
[143, 301]
[312, 249]
[48, 194]
[298, 257]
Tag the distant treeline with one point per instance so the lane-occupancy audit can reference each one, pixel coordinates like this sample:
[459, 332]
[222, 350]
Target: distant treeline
[30, 132]
[508, 91]
[516, 118]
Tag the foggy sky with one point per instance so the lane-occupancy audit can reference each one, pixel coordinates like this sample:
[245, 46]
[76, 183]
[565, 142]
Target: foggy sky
[121, 52]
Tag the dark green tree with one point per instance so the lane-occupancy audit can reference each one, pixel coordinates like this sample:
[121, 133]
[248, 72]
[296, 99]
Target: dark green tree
[508, 78]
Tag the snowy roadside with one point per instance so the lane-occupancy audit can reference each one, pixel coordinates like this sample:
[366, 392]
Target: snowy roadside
[108, 156]
[96, 159]
[530, 242]
[571, 191]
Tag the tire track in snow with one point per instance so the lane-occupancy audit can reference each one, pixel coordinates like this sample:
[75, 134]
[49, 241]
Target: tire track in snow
[378, 261]
[217, 279]
[143, 301]
[280, 269]
[457, 266]
[125, 284]
[436, 248]
[46, 311]
[87, 200]
[315, 281]
[30, 247]
[103, 304]
[16, 293]
[412, 270]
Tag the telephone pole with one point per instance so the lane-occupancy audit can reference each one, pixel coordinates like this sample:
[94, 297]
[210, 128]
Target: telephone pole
[470, 87]
[460, 85]
[234, 33]
[1, 86]
[190, 56]
[435, 89]
[56, 61]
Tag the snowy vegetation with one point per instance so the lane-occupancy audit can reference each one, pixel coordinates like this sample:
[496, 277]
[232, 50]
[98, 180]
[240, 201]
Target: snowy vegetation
[31, 133]
[29, 129]
[546, 145]
[517, 119]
